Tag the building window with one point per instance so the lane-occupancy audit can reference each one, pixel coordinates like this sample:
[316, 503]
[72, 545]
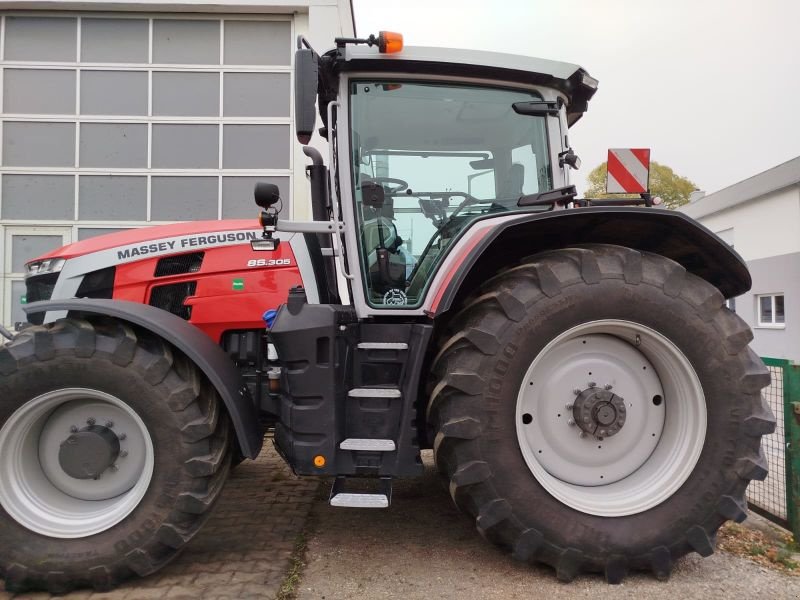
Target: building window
[770, 310]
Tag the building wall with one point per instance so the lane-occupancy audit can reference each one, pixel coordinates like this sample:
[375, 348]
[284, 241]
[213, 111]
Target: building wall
[121, 115]
[762, 227]
[765, 231]
[774, 275]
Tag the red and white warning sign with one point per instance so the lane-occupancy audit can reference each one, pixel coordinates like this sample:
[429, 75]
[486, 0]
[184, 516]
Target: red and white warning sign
[628, 170]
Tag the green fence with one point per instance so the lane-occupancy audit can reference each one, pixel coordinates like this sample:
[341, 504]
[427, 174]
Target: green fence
[776, 497]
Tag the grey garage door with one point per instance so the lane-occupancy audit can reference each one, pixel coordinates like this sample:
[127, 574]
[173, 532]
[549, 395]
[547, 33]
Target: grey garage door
[115, 121]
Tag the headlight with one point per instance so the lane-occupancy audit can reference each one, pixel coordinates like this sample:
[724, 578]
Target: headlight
[41, 267]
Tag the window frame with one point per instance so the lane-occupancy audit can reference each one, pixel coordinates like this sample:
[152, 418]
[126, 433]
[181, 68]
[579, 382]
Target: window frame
[773, 324]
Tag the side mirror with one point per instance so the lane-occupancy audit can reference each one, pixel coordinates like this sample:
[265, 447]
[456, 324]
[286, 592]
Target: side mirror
[266, 194]
[306, 73]
[482, 163]
[372, 194]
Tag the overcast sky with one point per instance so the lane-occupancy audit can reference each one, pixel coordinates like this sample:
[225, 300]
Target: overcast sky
[712, 86]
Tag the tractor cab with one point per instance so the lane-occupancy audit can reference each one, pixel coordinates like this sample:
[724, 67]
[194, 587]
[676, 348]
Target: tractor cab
[430, 150]
[424, 143]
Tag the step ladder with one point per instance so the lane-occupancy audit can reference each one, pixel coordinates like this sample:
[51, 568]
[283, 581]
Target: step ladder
[380, 498]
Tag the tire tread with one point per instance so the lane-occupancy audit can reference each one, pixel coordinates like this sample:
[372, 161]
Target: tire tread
[187, 395]
[456, 383]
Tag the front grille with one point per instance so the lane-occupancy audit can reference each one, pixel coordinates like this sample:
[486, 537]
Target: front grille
[171, 297]
[38, 288]
[179, 265]
[97, 284]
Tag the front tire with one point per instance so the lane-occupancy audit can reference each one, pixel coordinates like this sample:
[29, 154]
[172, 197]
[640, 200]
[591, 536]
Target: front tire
[113, 449]
[544, 347]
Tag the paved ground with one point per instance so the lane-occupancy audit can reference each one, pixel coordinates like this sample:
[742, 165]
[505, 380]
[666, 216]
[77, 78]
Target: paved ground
[244, 549]
[424, 548]
[421, 548]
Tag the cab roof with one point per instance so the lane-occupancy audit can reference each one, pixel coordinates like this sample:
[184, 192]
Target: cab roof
[570, 79]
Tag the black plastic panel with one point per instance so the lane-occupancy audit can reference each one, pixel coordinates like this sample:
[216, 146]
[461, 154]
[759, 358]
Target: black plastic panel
[179, 265]
[314, 353]
[37, 289]
[172, 296]
[98, 284]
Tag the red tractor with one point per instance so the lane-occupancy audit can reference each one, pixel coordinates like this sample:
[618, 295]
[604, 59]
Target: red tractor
[591, 401]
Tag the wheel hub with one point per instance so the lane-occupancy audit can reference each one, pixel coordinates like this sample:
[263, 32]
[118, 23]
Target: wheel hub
[87, 453]
[74, 462]
[651, 450]
[599, 412]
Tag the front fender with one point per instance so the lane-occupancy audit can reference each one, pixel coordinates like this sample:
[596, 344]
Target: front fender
[665, 232]
[192, 342]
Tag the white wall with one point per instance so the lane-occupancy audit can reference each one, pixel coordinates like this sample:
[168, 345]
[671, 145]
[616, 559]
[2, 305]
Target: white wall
[763, 227]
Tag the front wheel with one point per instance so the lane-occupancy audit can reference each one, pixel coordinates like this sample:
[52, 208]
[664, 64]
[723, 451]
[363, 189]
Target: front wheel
[598, 409]
[112, 451]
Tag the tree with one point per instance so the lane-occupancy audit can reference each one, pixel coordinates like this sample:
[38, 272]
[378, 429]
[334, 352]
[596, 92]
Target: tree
[673, 189]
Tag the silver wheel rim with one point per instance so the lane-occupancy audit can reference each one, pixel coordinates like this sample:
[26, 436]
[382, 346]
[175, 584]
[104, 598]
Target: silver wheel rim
[37, 493]
[662, 434]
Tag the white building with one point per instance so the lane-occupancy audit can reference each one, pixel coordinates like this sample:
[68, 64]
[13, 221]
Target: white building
[119, 114]
[760, 218]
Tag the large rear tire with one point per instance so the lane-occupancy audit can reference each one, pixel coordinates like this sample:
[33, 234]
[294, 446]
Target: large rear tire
[598, 409]
[113, 450]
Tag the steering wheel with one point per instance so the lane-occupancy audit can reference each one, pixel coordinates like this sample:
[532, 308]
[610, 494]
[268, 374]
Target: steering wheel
[399, 184]
[468, 199]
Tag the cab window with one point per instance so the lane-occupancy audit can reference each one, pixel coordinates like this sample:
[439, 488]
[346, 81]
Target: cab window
[443, 156]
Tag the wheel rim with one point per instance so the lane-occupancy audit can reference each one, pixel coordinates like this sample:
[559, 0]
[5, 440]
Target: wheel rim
[52, 492]
[611, 418]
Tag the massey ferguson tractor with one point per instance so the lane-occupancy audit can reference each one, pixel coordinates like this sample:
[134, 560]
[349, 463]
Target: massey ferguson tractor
[588, 397]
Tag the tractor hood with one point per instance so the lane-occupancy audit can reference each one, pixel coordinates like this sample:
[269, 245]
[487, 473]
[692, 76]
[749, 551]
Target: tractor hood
[191, 236]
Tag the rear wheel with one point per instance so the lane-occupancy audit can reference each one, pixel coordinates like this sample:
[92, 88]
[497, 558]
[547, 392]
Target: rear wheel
[598, 409]
[112, 452]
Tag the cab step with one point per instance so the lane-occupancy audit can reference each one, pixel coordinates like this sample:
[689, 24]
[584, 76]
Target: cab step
[383, 346]
[374, 393]
[368, 445]
[341, 497]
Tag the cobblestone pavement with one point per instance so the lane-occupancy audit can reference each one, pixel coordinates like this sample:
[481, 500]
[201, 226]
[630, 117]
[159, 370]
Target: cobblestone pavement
[244, 549]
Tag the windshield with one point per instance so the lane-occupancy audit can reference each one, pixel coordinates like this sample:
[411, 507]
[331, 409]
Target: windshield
[443, 156]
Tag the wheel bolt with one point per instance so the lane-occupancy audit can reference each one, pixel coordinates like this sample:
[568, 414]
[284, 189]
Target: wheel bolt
[568, 406]
[571, 422]
[110, 424]
[123, 454]
[123, 436]
[73, 429]
[113, 468]
[576, 391]
[592, 384]
[608, 386]
[582, 434]
[91, 421]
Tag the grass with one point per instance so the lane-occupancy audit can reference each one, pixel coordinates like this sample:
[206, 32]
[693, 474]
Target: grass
[771, 551]
[288, 589]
